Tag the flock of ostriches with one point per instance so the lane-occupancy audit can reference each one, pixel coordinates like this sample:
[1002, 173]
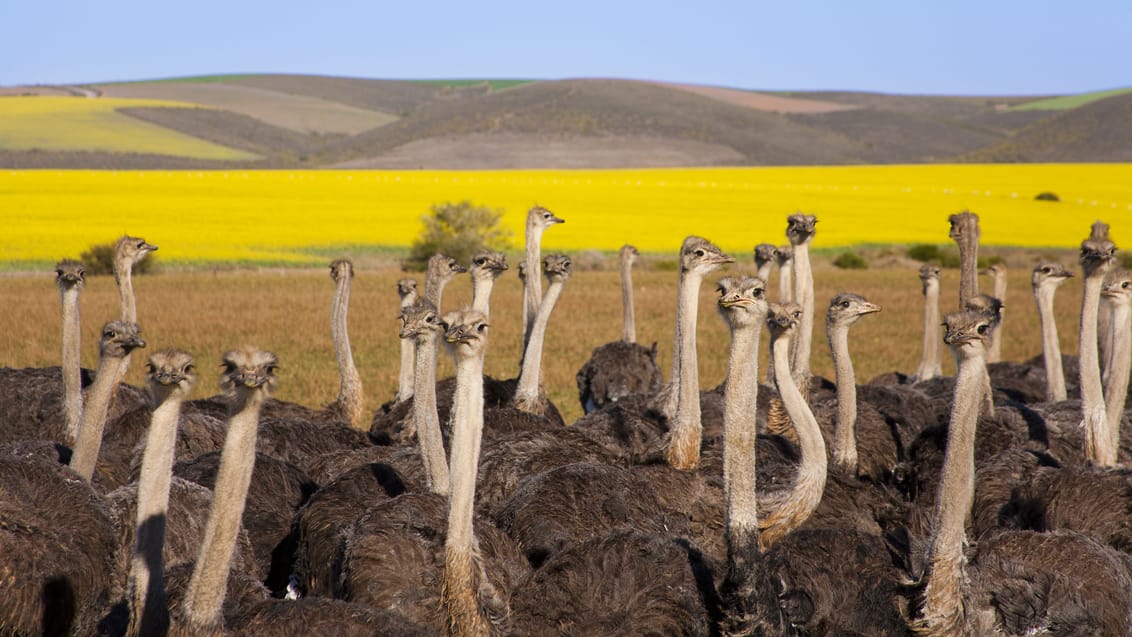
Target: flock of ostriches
[988, 503]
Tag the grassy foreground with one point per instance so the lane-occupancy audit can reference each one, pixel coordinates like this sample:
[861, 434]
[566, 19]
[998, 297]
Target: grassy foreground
[287, 311]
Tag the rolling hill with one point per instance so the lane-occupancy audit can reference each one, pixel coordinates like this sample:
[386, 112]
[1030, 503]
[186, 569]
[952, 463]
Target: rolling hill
[294, 121]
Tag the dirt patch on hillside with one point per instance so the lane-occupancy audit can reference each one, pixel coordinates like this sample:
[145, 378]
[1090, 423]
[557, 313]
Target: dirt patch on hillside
[764, 101]
[506, 151]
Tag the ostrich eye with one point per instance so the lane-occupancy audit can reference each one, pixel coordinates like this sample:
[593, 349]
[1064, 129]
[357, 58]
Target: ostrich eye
[481, 327]
[189, 369]
[149, 368]
[1124, 284]
[845, 304]
[546, 215]
[270, 369]
[699, 253]
[757, 293]
[109, 334]
[982, 328]
[478, 261]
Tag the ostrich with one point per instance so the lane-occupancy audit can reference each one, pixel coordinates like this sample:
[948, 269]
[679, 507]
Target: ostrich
[171, 378]
[128, 252]
[997, 273]
[350, 404]
[1017, 582]
[529, 395]
[486, 268]
[118, 340]
[1045, 280]
[992, 308]
[619, 368]
[1118, 290]
[844, 311]
[421, 325]
[930, 360]
[800, 231]
[70, 277]
[965, 232]
[407, 291]
[248, 378]
[441, 270]
[765, 255]
[1096, 259]
[538, 220]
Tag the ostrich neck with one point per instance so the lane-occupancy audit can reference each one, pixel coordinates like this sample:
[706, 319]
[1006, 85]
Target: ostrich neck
[684, 444]
[629, 318]
[1097, 448]
[467, 430]
[845, 435]
[785, 284]
[481, 294]
[72, 365]
[930, 366]
[527, 393]
[532, 286]
[89, 441]
[1117, 374]
[788, 509]
[1105, 335]
[968, 270]
[804, 296]
[425, 418]
[943, 602]
[739, 429]
[434, 288]
[349, 381]
[408, 364]
[1051, 347]
[209, 581]
[147, 568]
[763, 271]
[124, 276]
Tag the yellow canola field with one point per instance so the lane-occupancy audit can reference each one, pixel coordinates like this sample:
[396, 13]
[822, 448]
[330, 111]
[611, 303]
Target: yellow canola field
[82, 124]
[200, 217]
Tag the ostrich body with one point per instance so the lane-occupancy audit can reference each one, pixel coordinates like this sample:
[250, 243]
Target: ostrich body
[248, 378]
[1096, 259]
[486, 268]
[538, 220]
[698, 258]
[441, 270]
[965, 232]
[800, 231]
[930, 360]
[529, 396]
[765, 255]
[171, 377]
[421, 325]
[473, 606]
[349, 401]
[70, 277]
[1118, 291]
[1045, 280]
[118, 340]
[997, 273]
[628, 256]
[844, 311]
[407, 291]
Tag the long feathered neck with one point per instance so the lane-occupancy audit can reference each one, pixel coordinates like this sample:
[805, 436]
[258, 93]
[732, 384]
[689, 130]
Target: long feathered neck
[350, 397]
[209, 581]
[804, 296]
[481, 294]
[968, 268]
[532, 285]
[528, 395]
[930, 365]
[72, 363]
[89, 441]
[1117, 374]
[1098, 448]
[942, 609]
[1051, 347]
[628, 316]
[408, 365]
[683, 450]
[149, 615]
[994, 351]
[786, 510]
[124, 276]
[425, 418]
[845, 434]
[1105, 334]
[785, 285]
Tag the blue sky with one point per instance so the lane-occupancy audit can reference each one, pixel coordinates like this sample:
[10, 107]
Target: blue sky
[972, 47]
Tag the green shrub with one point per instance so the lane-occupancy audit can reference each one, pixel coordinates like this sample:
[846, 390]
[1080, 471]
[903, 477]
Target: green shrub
[99, 259]
[458, 230]
[1125, 259]
[924, 252]
[1047, 196]
[850, 261]
[949, 259]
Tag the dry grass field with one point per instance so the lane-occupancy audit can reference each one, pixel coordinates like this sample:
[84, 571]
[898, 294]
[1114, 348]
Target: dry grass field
[287, 311]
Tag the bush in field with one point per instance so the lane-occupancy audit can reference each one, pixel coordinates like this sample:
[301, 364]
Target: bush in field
[1125, 259]
[850, 261]
[588, 260]
[458, 230]
[99, 259]
[924, 252]
[1047, 196]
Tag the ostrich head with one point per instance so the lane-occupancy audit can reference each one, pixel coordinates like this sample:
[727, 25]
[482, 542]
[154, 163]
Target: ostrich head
[248, 371]
[442, 268]
[539, 219]
[964, 225]
[846, 308]
[1097, 255]
[1049, 273]
[928, 274]
[340, 269]
[800, 228]
[466, 335]
[405, 287]
[994, 270]
[119, 338]
[967, 333]
[987, 305]
[742, 300]
[522, 271]
[488, 265]
[168, 372]
[765, 253]
[1118, 286]
[131, 250]
[420, 318]
[629, 254]
[783, 255]
[702, 257]
[782, 318]
[1098, 231]
[70, 274]
[557, 267]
